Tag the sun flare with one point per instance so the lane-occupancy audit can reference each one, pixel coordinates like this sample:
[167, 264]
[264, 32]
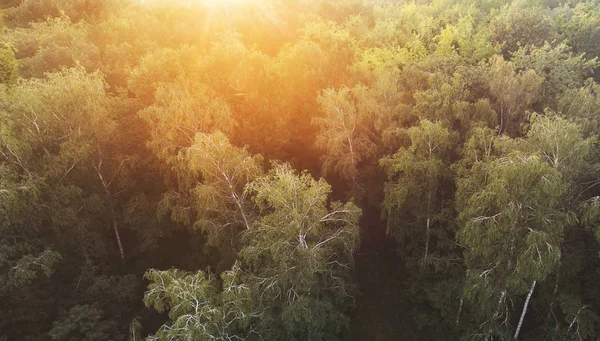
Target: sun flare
[223, 3]
[203, 3]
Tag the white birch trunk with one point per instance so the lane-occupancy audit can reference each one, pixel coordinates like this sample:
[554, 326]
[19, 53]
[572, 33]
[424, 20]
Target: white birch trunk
[427, 238]
[502, 294]
[428, 225]
[118, 236]
[459, 311]
[106, 186]
[387, 225]
[524, 310]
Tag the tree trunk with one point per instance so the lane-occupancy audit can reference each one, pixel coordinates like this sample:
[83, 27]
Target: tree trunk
[459, 311]
[524, 310]
[501, 125]
[427, 238]
[502, 294]
[497, 312]
[118, 235]
[387, 225]
[106, 186]
[553, 295]
[241, 208]
[428, 225]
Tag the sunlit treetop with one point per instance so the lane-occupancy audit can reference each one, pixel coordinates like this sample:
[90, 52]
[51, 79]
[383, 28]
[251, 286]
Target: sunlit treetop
[203, 3]
[217, 3]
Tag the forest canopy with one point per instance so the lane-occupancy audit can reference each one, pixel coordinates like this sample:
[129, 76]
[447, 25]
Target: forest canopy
[313, 170]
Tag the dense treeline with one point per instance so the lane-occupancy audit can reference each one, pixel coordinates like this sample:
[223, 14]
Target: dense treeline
[299, 170]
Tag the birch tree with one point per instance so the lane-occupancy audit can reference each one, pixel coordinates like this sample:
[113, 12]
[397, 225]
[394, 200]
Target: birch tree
[55, 215]
[206, 171]
[293, 278]
[8, 64]
[345, 132]
[512, 225]
[67, 121]
[300, 256]
[202, 306]
[179, 112]
[219, 204]
[564, 147]
[560, 68]
[581, 105]
[413, 200]
[514, 92]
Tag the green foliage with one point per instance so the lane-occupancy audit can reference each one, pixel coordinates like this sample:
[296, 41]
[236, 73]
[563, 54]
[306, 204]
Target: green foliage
[180, 112]
[201, 307]
[580, 105]
[582, 321]
[466, 40]
[517, 24]
[83, 322]
[52, 45]
[161, 66]
[415, 177]
[221, 199]
[300, 256]
[514, 92]
[345, 133]
[582, 30]
[560, 69]
[448, 102]
[134, 134]
[8, 64]
[22, 13]
[54, 219]
[482, 145]
[28, 268]
[510, 208]
[293, 278]
[562, 145]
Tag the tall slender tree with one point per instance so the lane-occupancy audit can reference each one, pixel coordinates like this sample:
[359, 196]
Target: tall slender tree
[414, 201]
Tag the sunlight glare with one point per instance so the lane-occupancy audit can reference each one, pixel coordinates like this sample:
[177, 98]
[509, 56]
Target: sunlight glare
[223, 3]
